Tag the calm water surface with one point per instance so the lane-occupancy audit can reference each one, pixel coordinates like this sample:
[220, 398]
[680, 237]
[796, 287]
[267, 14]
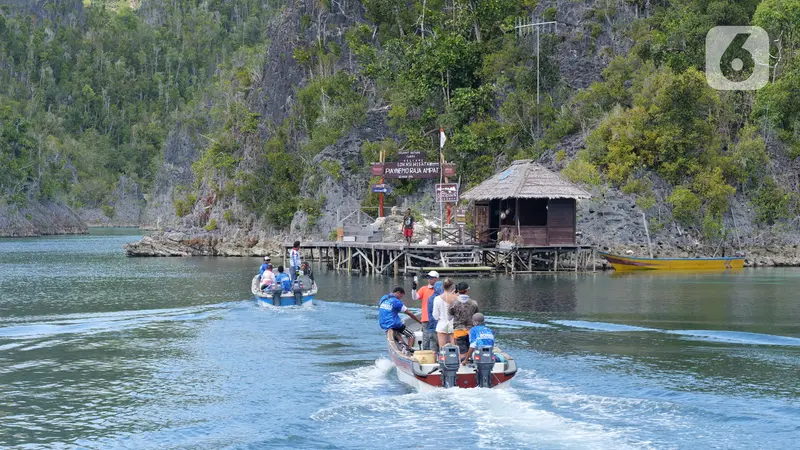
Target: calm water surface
[102, 351]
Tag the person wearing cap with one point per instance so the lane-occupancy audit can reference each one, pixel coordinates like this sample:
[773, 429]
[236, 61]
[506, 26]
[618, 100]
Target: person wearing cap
[462, 311]
[389, 308]
[429, 333]
[263, 267]
[294, 260]
[267, 278]
[424, 295]
[479, 336]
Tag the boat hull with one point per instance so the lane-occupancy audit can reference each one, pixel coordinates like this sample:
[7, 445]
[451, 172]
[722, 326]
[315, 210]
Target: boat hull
[286, 299]
[426, 377]
[630, 263]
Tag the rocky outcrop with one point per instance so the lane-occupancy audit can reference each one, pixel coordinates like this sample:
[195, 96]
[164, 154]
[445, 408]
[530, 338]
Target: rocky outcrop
[39, 218]
[177, 243]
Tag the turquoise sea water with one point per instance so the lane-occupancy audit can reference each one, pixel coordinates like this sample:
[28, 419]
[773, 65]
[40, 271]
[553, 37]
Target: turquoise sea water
[102, 351]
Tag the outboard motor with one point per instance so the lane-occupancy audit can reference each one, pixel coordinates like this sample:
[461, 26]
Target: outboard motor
[448, 365]
[297, 289]
[484, 363]
[276, 296]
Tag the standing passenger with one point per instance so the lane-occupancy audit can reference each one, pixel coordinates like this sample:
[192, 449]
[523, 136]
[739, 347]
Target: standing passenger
[294, 260]
[441, 312]
[429, 333]
[462, 311]
[425, 294]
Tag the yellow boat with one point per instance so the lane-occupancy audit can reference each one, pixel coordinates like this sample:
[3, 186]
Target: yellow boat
[626, 263]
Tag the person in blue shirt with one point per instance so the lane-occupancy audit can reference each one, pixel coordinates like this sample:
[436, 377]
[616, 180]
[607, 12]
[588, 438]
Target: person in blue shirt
[479, 335]
[389, 309]
[263, 267]
[283, 280]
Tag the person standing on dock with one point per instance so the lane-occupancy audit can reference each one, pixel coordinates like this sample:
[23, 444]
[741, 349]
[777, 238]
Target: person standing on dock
[408, 226]
[424, 295]
[294, 260]
[462, 311]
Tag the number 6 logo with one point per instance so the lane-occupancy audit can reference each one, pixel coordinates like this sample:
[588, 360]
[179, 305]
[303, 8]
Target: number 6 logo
[719, 40]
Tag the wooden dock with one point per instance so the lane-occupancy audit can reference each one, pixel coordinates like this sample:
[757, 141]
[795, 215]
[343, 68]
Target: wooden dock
[401, 259]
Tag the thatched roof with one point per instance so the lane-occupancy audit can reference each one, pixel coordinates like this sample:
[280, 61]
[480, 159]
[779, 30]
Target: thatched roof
[525, 179]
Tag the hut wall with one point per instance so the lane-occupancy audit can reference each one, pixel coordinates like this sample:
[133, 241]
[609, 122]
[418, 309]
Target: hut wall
[561, 222]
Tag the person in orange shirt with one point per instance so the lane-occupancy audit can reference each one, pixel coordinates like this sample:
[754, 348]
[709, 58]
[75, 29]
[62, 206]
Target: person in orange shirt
[424, 294]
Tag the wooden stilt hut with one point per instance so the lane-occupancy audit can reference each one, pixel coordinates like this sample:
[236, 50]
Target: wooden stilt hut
[526, 204]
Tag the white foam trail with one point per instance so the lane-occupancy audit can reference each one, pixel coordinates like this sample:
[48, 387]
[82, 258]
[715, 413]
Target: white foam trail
[501, 414]
[737, 337]
[601, 326]
[662, 414]
[361, 380]
[102, 322]
[505, 322]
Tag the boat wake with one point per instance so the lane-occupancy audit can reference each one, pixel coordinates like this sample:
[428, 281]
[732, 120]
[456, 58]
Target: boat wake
[737, 337]
[92, 323]
[600, 326]
[726, 336]
[361, 398]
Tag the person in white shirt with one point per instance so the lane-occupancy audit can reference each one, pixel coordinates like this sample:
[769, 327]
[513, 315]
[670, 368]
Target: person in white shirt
[268, 278]
[294, 260]
[441, 312]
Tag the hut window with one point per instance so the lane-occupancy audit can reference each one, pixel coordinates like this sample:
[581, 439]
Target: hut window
[533, 212]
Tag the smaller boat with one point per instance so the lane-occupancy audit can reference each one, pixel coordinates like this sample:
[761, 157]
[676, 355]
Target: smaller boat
[301, 295]
[426, 371]
[627, 263]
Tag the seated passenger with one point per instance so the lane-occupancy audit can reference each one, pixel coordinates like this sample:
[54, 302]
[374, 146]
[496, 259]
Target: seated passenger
[479, 336]
[305, 267]
[263, 267]
[267, 279]
[283, 280]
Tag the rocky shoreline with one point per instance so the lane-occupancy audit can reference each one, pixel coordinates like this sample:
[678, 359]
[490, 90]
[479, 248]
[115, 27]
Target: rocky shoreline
[177, 243]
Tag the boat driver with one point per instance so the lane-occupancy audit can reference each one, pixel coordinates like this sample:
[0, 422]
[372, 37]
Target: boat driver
[389, 308]
[282, 280]
[479, 335]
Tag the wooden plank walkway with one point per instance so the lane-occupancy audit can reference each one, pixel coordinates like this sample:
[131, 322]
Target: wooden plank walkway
[383, 258]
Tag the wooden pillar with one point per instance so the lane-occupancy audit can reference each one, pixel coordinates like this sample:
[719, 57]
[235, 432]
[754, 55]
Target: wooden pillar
[577, 255]
[594, 255]
[396, 264]
[555, 265]
[374, 271]
[349, 259]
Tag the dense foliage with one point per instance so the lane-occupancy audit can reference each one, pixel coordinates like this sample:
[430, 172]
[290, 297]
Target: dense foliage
[90, 98]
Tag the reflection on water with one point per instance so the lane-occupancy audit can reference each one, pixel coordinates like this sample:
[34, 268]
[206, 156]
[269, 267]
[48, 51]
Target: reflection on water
[101, 351]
